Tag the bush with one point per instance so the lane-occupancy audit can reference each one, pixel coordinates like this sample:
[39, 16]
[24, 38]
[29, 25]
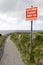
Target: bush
[24, 46]
[2, 39]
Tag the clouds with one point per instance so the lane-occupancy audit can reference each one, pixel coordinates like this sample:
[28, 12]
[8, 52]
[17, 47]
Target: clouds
[13, 5]
[16, 8]
[12, 14]
[17, 5]
[14, 24]
[11, 23]
[7, 5]
[38, 25]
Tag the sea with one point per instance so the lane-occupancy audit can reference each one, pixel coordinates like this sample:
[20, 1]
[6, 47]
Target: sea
[3, 32]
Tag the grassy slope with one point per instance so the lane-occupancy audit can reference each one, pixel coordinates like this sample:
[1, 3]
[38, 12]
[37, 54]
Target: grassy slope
[2, 39]
[23, 45]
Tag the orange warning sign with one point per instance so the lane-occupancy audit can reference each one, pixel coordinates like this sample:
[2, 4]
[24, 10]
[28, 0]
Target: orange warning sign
[31, 13]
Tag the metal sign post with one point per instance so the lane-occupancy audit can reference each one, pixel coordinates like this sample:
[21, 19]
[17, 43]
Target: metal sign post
[31, 14]
[31, 38]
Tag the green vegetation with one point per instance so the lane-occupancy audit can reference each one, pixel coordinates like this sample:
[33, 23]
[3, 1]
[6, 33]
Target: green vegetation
[22, 42]
[2, 39]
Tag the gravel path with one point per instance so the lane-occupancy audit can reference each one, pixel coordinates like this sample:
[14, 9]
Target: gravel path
[11, 55]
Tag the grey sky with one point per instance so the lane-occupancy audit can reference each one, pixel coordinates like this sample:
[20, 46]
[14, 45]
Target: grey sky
[18, 5]
[15, 9]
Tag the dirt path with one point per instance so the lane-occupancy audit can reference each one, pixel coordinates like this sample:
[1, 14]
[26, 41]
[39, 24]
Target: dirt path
[11, 56]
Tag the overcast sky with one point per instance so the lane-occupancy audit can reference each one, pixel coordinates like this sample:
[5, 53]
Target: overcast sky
[12, 14]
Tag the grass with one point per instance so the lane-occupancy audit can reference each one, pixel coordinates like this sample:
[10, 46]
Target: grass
[22, 42]
[2, 39]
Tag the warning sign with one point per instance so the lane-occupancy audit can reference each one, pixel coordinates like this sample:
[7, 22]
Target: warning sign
[31, 13]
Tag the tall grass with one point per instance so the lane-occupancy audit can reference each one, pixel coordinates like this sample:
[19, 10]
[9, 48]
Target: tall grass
[2, 39]
[23, 45]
